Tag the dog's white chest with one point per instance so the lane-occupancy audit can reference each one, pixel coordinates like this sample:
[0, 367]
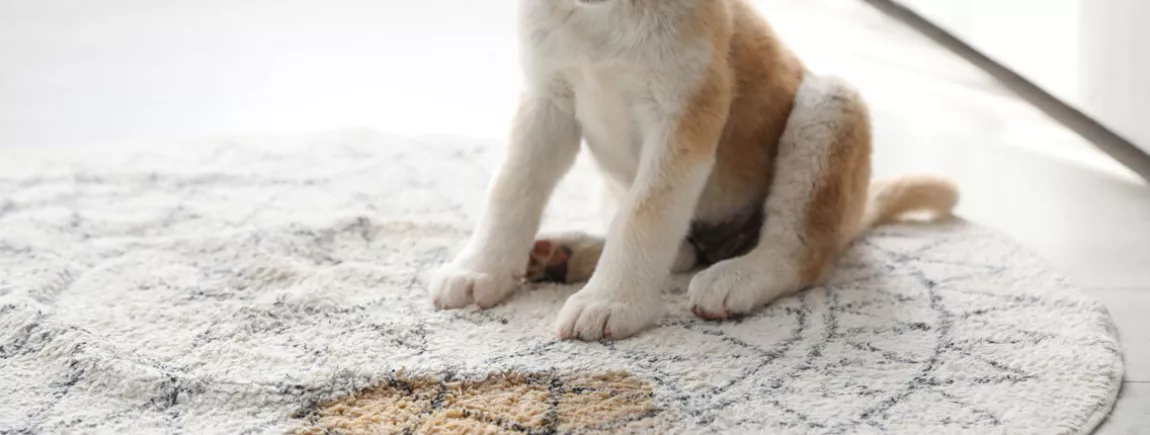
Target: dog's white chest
[614, 56]
[604, 107]
[591, 51]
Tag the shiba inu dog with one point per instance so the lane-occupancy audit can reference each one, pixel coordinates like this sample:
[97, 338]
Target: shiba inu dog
[727, 155]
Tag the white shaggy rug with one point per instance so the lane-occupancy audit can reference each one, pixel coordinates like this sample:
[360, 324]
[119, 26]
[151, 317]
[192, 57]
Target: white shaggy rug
[238, 286]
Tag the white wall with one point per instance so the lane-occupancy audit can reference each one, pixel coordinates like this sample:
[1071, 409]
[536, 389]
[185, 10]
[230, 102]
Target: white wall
[1115, 76]
[96, 71]
[1037, 38]
[1092, 54]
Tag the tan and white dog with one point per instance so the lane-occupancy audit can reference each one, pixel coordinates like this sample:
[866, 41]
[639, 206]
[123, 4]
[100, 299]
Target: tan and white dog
[727, 154]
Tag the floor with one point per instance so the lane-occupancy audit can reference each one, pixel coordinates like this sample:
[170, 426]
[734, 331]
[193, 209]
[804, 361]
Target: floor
[92, 72]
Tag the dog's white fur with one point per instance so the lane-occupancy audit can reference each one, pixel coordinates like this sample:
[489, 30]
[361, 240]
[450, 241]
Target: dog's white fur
[627, 77]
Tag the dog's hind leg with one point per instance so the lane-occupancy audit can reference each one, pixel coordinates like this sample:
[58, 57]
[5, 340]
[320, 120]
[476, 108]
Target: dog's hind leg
[813, 210]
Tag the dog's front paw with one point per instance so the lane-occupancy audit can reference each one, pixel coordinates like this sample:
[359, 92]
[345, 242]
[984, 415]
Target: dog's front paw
[738, 286]
[595, 313]
[458, 285]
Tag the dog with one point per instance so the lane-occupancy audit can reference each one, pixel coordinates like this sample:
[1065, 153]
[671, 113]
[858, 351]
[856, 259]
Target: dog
[727, 154]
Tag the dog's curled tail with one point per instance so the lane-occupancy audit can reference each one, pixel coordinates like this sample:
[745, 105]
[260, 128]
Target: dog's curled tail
[896, 197]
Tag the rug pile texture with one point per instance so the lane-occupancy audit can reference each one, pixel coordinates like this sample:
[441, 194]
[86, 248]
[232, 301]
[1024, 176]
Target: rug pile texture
[278, 285]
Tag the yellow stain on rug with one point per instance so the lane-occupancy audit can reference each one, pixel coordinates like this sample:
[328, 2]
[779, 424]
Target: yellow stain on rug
[505, 403]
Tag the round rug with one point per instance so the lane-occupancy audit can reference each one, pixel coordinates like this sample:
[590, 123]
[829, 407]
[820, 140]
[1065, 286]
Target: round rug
[271, 285]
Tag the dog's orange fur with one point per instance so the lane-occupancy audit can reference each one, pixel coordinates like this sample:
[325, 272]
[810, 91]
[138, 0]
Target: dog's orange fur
[835, 213]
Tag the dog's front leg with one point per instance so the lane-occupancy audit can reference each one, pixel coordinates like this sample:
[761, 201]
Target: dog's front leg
[622, 296]
[544, 143]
